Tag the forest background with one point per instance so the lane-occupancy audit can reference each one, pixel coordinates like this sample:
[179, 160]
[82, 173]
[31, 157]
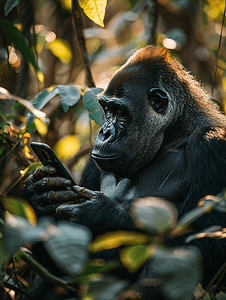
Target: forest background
[58, 56]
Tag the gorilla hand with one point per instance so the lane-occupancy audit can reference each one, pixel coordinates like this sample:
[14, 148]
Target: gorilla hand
[45, 192]
[98, 213]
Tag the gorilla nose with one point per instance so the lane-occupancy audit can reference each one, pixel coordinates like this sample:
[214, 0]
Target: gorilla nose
[108, 132]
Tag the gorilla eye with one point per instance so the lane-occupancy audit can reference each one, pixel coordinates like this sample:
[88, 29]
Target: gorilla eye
[120, 113]
[159, 99]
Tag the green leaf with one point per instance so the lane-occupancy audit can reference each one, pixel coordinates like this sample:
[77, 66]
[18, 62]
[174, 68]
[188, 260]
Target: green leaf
[91, 103]
[20, 208]
[10, 4]
[70, 243]
[154, 215]
[40, 101]
[179, 271]
[3, 254]
[94, 9]
[19, 42]
[94, 268]
[70, 95]
[221, 296]
[5, 95]
[134, 257]
[3, 116]
[116, 239]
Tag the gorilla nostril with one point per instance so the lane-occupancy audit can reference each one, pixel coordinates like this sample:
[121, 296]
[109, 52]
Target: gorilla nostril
[107, 134]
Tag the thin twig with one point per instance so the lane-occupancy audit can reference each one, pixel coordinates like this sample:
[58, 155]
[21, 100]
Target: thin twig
[215, 277]
[44, 272]
[78, 23]
[218, 50]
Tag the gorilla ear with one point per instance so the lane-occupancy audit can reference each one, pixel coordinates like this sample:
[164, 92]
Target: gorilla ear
[158, 98]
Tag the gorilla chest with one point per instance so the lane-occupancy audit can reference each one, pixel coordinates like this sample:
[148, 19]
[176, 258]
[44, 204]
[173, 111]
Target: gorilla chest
[165, 178]
[169, 187]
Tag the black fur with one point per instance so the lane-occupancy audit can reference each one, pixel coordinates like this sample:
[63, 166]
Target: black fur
[173, 149]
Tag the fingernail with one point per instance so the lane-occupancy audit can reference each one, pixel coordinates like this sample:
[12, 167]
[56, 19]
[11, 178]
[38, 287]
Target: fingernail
[52, 170]
[67, 182]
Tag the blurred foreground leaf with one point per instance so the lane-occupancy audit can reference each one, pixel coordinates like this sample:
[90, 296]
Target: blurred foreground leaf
[93, 267]
[216, 232]
[92, 105]
[68, 246]
[206, 205]
[106, 289]
[154, 215]
[94, 9]
[115, 239]
[134, 257]
[20, 208]
[179, 270]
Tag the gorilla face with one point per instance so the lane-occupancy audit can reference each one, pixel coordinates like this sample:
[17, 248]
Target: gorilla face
[136, 111]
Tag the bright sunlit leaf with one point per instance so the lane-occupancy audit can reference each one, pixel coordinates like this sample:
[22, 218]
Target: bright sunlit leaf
[41, 127]
[95, 10]
[66, 4]
[20, 208]
[40, 77]
[118, 238]
[67, 147]
[61, 49]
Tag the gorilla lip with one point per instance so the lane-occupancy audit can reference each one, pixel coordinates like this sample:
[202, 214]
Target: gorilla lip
[105, 156]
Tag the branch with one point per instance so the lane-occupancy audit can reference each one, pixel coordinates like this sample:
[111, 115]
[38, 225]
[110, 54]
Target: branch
[44, 272]
[151, 6]
[79, 26]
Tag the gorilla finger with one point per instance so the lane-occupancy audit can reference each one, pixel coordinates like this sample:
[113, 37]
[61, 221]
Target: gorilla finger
[53, 182]
[67, 211]
[43, 172]
[60, 197]
[83, 192]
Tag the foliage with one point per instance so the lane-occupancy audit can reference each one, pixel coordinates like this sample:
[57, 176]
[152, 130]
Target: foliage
[56, 108]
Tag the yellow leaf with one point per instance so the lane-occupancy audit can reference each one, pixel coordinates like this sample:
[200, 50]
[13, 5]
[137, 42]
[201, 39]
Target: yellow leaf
[95, 10]
[27, 152]
[67, 147]
[118, 238]
[66, 4]
[40, 77]
[41, 127]
[61, 49]
[20, 208]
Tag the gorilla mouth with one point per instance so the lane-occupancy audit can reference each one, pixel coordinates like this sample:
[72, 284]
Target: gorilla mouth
[102, 156]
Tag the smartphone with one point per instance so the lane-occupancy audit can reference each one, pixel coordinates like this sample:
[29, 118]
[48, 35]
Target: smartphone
[48, 157]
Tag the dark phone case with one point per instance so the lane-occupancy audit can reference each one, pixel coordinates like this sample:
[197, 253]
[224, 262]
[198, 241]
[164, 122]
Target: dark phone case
[48, 157]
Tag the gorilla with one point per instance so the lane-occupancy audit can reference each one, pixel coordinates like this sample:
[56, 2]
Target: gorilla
[162, 137]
